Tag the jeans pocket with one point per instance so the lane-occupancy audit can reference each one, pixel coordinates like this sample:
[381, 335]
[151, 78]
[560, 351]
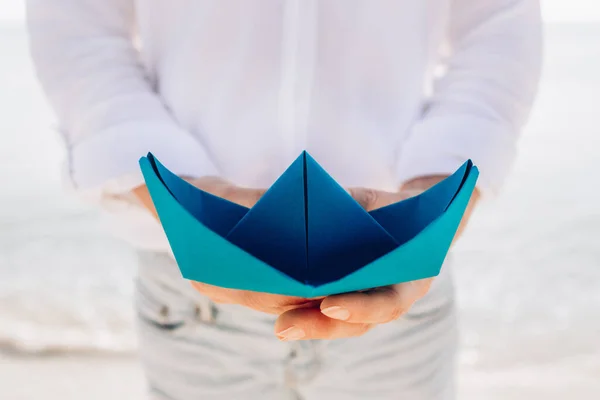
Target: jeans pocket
[161, 308]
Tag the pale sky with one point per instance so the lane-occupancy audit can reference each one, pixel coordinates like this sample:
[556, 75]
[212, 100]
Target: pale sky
[554, 10]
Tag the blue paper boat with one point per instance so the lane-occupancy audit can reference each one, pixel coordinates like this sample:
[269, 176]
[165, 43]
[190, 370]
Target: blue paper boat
[307, 236]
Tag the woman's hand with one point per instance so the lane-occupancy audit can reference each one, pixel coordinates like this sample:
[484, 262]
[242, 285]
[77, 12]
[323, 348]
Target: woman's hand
[353, 314]
[264, 302]
[211, 184]
[338, 316]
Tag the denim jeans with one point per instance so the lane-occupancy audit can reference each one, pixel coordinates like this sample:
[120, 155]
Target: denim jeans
[194, 349]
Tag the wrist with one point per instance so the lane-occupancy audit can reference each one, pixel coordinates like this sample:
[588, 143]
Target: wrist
[211, 184]
[422, 183]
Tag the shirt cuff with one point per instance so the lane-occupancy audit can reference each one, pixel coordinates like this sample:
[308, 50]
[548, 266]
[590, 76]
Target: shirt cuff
[108, 161]
[440, 145]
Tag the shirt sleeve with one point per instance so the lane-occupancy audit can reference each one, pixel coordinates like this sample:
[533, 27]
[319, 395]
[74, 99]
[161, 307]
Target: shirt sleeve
[478, 106]
[109, 114]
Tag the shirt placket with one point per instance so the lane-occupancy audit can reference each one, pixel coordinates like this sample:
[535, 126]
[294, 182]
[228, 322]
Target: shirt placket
[298, 63]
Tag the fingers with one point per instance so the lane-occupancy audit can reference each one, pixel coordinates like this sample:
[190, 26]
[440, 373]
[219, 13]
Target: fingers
[345, 315]
[363, 196]
[351, 314]
[245, 197]
[217, 294]
[143, 195]
[310, 323]
[376, 306]
[371, 199]
[273, 303]
[264, 302]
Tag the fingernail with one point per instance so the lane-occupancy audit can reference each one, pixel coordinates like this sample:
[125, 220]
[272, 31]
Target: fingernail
[292, 333]
[336, 312]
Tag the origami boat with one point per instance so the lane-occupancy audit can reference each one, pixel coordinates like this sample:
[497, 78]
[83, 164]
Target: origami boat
[307, 236]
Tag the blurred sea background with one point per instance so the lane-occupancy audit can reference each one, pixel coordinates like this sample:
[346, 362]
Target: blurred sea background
[527, 270]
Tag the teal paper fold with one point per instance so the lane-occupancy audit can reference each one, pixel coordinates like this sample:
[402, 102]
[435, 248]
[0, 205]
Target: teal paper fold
[306, 236]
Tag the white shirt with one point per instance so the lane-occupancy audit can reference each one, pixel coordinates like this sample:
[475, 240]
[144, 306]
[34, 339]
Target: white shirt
[379, 91]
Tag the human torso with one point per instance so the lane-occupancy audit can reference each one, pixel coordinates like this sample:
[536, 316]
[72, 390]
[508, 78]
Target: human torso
[257, 82]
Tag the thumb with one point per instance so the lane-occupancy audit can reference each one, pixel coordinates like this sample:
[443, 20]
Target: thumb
[364, 196]
[371, 199]
[244, 196]
[142, 194]
[220, 187]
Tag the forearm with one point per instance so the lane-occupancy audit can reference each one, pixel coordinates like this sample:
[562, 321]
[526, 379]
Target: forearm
[108, 111]
[478, 107]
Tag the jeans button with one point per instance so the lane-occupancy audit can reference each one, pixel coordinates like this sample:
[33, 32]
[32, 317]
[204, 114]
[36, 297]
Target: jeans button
[164, 311]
